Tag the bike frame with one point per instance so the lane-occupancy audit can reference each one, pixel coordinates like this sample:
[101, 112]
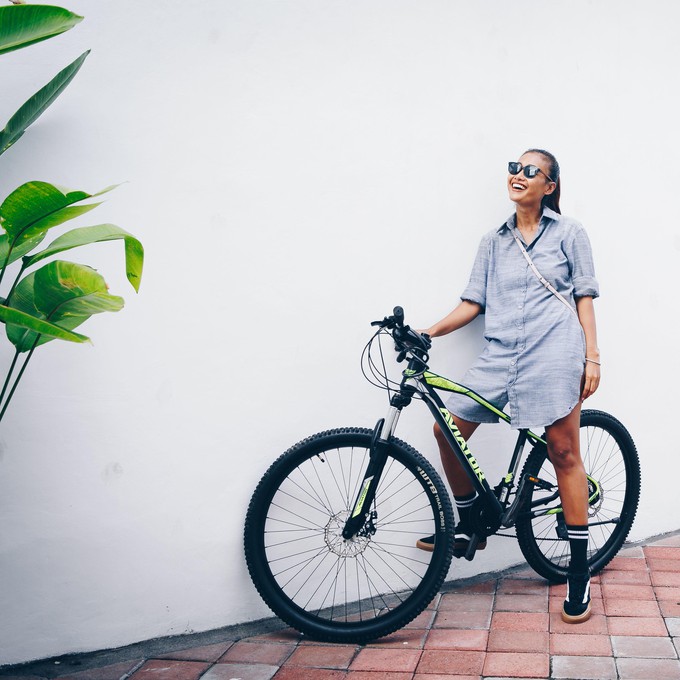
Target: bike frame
[493, 503]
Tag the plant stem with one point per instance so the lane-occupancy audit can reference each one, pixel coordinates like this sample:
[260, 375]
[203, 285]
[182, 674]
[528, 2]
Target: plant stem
[9, 375]
[4, 266]
[16, 382]
[14, 285]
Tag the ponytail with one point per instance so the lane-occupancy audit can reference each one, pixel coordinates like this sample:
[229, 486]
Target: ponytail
[552, 200]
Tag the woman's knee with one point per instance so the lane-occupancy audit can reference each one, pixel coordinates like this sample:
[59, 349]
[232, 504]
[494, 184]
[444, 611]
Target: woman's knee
[563, 454]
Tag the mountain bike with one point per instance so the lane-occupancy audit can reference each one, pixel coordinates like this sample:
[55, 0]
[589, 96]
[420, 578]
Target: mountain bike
[331, 528]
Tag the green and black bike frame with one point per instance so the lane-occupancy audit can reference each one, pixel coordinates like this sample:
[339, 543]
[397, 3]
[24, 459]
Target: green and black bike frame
[492, 507]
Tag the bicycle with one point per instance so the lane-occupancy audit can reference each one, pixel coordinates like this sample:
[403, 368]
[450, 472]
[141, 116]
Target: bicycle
[331, 528]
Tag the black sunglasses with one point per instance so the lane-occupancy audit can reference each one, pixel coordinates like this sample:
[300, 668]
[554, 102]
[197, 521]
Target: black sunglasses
[530, 171]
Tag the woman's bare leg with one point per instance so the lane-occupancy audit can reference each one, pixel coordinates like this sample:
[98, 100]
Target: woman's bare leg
[458, 479]
[565, 455]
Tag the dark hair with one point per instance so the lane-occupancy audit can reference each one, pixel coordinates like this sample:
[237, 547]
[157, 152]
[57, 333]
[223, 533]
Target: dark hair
[552, 200]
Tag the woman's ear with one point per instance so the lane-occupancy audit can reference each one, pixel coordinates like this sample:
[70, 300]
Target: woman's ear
[550, 188]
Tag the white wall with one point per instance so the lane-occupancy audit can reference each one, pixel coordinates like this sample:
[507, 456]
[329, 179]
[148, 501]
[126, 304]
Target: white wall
[295, 169]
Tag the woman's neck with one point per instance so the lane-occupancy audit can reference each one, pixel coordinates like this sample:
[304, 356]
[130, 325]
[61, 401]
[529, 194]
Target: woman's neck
[527, 219]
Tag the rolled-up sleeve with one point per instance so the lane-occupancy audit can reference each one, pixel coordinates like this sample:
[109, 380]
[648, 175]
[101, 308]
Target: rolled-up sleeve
[580, 257]
[475, 290]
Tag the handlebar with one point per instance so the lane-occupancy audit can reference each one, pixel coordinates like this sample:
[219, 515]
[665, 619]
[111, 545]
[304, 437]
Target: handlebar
[405, 338]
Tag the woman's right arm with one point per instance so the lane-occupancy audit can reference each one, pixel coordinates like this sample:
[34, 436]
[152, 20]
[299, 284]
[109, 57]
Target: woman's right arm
[465, 312]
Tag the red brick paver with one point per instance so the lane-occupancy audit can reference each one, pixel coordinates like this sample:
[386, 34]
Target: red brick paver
[322, 656]
[518, 641]
[633, 625]
[506, 627]
[451, 662]
[580, 645]
[168, 669]
[453, 638]
[371, 659]
[504, 664]
[258, 652]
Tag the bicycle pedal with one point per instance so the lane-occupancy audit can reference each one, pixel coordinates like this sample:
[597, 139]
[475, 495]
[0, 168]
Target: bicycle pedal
[547, 486]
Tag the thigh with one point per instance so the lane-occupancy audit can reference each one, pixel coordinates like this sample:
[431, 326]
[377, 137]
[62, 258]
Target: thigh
[563, 434]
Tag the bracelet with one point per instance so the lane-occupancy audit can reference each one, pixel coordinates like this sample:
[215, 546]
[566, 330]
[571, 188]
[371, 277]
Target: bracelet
[592, 361]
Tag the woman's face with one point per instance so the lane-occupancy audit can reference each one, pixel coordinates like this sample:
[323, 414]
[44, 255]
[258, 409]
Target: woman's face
[529, 191]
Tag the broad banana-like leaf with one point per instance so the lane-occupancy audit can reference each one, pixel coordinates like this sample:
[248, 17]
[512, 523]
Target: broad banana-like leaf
[29, 211]
[23, 320]
[34, 107]
[24, 25]
[19, 250]
[65, 294]
[134, 251]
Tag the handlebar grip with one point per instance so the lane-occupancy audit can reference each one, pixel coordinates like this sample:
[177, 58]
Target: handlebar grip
[399, 315]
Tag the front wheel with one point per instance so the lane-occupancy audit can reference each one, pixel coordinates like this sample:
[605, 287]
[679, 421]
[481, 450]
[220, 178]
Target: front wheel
[365, 587]
[613, 470]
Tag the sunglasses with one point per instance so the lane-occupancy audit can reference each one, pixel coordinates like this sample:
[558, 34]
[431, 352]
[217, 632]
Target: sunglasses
[530, 171]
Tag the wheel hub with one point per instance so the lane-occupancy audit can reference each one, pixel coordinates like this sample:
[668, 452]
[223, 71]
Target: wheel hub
[595, 505]
[337, 544]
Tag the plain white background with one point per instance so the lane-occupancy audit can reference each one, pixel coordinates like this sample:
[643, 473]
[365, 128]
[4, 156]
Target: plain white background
[295, 169]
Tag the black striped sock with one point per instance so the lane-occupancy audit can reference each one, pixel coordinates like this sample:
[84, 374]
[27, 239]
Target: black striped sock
[578, 543]
[463, 505]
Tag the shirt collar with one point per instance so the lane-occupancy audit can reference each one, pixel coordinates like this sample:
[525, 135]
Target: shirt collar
[547, 213]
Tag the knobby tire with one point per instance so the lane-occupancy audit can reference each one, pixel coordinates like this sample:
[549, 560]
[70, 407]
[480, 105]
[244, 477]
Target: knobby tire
[347, 591]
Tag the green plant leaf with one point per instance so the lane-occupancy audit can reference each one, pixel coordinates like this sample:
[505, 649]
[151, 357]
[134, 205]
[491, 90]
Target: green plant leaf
[65, 294]
[134, 251]
[36, 105]
[19, 250]
[23, 320]
[29, 211]
[24, 25]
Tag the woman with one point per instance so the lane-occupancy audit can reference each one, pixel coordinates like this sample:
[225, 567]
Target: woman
[541, 358]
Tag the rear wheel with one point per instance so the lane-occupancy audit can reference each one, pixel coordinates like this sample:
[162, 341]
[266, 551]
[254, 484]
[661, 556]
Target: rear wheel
[613, 470]
[351, 590]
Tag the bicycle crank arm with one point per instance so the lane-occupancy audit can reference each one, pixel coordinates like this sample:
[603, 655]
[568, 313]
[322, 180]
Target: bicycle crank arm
[526, 486]
[472, 548]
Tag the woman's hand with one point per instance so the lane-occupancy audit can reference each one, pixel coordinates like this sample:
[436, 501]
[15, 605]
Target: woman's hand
[591, 379]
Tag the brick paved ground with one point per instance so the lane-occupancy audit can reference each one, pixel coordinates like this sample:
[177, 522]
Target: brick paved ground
[508, 627]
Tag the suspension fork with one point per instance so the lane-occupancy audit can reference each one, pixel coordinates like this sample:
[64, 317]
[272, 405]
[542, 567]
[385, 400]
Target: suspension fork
[378, 456]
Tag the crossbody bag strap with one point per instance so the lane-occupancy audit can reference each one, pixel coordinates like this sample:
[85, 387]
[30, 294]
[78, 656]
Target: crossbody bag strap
[540, 277]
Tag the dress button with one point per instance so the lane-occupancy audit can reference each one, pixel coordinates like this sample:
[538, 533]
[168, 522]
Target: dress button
[513, 362]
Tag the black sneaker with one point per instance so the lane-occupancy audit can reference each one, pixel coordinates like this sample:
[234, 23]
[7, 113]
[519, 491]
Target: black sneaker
[460, 544]
[462, 540]
[426, 543]
[576, 608]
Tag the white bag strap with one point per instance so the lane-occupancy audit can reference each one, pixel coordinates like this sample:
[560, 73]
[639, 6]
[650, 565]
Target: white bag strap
[546, 283]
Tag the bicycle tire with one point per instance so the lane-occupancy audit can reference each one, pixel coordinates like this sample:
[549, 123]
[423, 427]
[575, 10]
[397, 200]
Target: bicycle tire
[357, 590]
[610, 457]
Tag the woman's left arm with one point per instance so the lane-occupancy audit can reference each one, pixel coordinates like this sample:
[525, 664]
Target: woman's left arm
[586, 315]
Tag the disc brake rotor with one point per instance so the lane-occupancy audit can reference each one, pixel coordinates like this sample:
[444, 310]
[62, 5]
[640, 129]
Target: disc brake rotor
[337, 544]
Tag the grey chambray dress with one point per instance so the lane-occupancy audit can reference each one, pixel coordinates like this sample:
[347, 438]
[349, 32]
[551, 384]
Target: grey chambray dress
[535, 356]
